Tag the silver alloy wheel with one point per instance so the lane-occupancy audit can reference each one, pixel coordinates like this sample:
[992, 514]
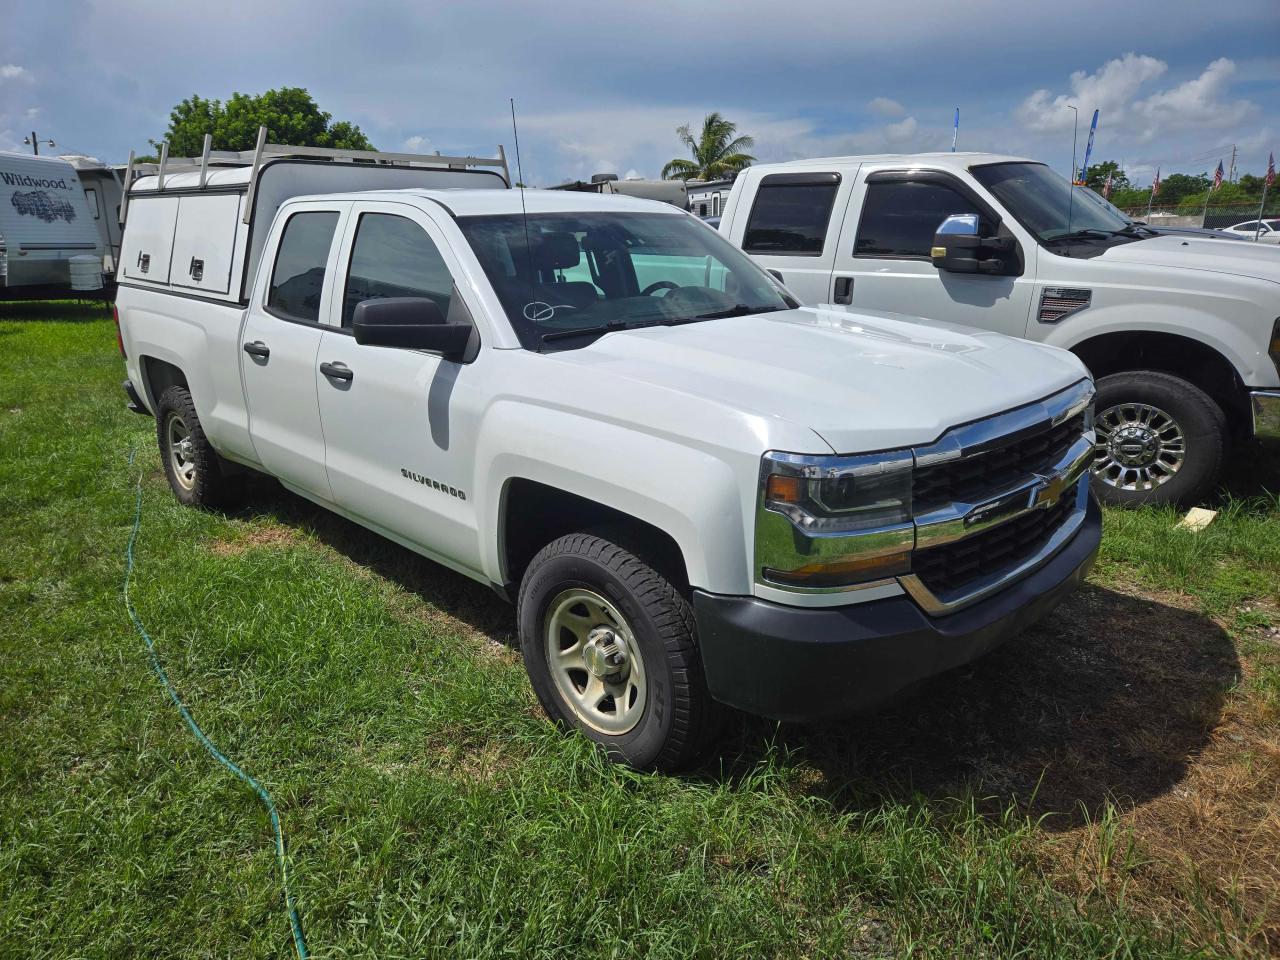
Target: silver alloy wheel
[595, 661]
[1140, 447]
[182, 451]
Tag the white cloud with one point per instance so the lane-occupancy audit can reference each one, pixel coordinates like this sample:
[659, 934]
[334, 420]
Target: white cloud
[418, 144]
[885, 107]
[11, 71]
[1115, 89]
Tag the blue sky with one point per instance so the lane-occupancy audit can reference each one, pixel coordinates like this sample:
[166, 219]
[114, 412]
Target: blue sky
[601, 87]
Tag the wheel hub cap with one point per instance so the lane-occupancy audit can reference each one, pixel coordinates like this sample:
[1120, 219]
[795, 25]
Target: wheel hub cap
[1139, 447]
[594, 661]
[606, 654]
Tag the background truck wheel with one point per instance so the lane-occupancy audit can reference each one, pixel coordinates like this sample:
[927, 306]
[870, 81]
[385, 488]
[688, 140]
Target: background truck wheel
[196, 477]
[1160, 440]
[608, 642]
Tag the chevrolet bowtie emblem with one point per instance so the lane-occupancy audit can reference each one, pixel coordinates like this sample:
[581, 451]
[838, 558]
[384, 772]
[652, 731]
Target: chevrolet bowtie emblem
[1048, 491]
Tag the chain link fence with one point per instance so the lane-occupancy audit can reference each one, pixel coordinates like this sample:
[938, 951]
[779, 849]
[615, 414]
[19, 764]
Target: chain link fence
[1216, 217]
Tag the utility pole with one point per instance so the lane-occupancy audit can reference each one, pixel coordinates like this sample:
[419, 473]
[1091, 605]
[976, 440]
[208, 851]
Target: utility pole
[34, 142]
[1231, 177]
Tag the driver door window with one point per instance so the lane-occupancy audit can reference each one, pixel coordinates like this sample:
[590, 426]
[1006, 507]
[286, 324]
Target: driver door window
[899, 218]
[393, 257]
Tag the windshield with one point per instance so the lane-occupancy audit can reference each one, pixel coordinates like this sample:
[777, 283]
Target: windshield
[1046, 204]
[600, 271]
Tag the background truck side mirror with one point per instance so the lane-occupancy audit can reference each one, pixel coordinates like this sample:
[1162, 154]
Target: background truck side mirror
[960, 247]
[411, 323]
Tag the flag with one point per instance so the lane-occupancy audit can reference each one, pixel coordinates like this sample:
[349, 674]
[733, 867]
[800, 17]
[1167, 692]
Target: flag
[1271, 169]
[1155, 184]
[1106, 187]
[1217, 178]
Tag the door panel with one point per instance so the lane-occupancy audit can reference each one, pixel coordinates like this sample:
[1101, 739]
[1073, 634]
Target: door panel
[883, 260]
[400, 433]
[205, 241]
[792, 226]
[151, 221]
[279, 346]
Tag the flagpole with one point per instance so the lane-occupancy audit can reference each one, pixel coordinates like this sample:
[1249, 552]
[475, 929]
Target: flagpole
[1151, 199]
[1258, 230]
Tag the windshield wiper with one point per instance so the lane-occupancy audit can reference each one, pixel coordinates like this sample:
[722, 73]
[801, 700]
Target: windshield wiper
[1085, 234]
[609, 327]
[737, 310]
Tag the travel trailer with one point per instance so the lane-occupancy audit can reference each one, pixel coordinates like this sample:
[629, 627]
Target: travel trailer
[50, 243]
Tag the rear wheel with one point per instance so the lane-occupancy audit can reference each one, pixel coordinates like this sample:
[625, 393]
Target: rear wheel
[1160, 440]
[609, 646]
[194, 472]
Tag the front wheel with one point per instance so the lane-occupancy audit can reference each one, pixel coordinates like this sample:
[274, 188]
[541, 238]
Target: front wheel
[609, 646]
[1160, 440]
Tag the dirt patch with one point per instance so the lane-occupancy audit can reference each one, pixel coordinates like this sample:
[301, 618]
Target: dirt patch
[1131, 722]
[255, 538]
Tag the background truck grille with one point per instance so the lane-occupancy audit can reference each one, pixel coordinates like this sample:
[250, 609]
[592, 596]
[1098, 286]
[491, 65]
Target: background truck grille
[953, 566]
[973, 479]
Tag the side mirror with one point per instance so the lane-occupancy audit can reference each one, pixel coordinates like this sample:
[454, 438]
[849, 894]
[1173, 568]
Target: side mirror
[959, 247]
[411, 323]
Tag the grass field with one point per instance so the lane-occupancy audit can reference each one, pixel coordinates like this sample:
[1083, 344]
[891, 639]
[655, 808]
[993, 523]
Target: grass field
[1106, 786]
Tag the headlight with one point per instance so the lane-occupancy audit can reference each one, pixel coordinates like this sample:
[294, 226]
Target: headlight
[832, 522]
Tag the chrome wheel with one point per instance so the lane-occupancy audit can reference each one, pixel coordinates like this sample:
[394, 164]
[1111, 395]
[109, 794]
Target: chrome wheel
[182, 451]
[595, 662]
[1139, 447]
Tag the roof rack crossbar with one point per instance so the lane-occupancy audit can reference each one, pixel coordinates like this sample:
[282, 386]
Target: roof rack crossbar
[210, 158]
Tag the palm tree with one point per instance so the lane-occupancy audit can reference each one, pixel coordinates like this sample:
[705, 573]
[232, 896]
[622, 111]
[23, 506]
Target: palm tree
[716, 153]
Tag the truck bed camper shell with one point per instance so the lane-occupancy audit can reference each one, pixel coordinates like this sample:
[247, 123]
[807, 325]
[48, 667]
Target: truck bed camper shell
[181, 211]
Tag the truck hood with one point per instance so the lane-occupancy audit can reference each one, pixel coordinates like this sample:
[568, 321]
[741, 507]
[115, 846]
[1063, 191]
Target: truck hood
[1242, 258]
[861, 381]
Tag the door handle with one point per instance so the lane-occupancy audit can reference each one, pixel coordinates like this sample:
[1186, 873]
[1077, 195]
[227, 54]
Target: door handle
[257, 349]
[337, 371]
[843, 291]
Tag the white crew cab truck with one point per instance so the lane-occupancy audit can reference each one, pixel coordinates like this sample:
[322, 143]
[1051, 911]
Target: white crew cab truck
[1181, 332]
[695, 492]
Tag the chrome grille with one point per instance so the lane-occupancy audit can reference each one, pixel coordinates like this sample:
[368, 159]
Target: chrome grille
[951, 567]
[974, 478]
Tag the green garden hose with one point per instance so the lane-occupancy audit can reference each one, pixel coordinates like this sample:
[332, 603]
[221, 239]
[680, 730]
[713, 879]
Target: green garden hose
[295, 924]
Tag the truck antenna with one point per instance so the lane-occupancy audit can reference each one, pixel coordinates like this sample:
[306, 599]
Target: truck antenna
[524, 214]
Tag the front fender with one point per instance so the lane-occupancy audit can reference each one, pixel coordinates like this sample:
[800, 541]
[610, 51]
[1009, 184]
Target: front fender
[693, 494]
[1232, 326]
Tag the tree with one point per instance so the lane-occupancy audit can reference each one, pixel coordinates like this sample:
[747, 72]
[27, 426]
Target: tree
[1096, 176]
[1178, 185]
[716, 152]
[289, 114]
[1130, 197]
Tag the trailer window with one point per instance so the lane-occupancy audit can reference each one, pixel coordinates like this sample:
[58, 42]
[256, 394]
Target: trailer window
[91, 195]
[394, 257]
[298, 278]
[790, 215]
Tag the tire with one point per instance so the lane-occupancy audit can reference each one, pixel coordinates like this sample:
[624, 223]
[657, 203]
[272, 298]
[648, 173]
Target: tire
[192, 467]
[1161, 440]
[662, 715]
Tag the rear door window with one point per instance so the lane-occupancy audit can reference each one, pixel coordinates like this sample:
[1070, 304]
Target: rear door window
[297, 282]
[790, 214]
[900, 217]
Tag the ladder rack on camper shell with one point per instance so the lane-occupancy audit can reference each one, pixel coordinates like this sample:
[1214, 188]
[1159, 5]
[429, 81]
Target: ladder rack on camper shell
[271, 151]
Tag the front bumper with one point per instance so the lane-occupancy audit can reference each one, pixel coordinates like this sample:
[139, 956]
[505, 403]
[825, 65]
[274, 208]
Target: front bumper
[1266, 414]
[807, 663]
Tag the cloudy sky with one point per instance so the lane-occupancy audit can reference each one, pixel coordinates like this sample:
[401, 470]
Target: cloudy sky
[601, 86]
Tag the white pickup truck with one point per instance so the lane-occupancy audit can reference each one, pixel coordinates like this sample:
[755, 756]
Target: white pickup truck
[1181, 332]
[695, 492]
